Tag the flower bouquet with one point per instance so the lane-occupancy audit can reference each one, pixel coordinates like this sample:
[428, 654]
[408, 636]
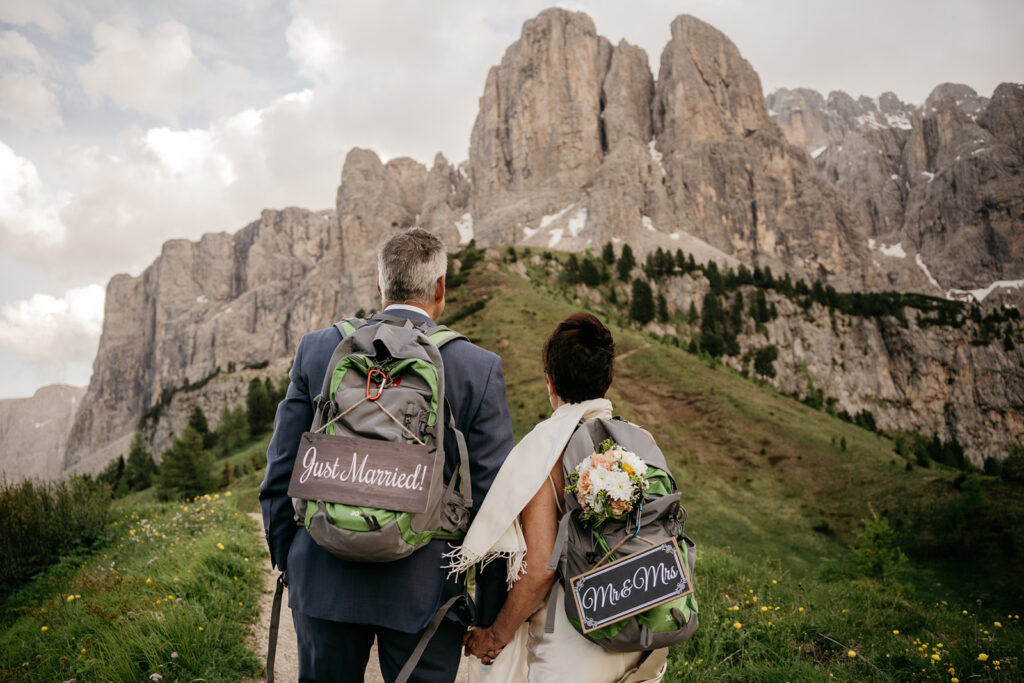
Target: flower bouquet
[608, 483]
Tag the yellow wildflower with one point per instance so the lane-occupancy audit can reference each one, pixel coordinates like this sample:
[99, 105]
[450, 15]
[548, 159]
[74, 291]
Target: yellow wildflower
[895, 631]
[45, 629]
[737, 625]
[997, 624]
[799, 609]
[936, 657]
[149, 581]
[851, 654]
[228, 494]
[983, 657]
[220, 546]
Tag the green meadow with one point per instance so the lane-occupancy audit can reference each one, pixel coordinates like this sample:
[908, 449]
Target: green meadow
[778, 495]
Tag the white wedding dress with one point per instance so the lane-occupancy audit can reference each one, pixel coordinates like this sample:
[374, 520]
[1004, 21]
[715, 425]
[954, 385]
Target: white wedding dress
[564, 656]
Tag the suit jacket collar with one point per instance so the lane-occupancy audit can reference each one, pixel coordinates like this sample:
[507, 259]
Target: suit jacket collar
[406, 314]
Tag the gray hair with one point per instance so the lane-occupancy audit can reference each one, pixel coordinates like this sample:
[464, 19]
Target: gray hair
[409, 265]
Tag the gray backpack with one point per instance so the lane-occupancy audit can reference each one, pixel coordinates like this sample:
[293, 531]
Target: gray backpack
[385, 382]
[582, 547]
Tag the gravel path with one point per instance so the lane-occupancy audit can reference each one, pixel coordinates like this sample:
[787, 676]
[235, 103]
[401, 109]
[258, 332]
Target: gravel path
[286, 668]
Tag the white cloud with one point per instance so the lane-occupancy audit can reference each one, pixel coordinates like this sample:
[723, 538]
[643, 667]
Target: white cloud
[27, 98]
[53, 16]
[155, 72]
[46, 339]
[312, 48]
[35, 326]
[29, 212]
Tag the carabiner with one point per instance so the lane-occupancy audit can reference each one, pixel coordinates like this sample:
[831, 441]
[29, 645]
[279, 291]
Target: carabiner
[369, 383]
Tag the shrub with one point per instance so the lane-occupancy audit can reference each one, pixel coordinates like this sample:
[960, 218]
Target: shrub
[877, 554]
[993, 466]
[1013, 465]
[42, 521]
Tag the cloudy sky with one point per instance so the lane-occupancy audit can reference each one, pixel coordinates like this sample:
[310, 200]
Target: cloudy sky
[124, 124]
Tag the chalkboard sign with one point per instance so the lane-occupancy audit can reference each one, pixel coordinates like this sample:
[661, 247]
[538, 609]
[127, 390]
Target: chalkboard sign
[363, 472]
[633, 584]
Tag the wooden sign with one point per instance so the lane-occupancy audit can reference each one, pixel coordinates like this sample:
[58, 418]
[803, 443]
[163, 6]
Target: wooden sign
[633, 584]
[363, 472]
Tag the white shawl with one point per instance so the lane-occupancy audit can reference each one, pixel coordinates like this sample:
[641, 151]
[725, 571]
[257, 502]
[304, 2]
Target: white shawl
[495, 532]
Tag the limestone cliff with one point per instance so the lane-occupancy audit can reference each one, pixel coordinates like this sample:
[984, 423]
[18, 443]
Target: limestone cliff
[938, 189]
[34, 431]
[575, 144]
[243, 298]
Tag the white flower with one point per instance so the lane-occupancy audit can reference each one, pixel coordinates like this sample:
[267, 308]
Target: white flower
[599, 479]
[638, 466]
[619, 486]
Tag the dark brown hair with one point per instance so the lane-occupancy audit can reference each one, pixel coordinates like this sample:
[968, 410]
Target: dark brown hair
[579, 357]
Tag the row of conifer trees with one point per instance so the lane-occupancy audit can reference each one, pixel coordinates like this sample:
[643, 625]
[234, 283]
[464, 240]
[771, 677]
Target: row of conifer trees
[187, 467]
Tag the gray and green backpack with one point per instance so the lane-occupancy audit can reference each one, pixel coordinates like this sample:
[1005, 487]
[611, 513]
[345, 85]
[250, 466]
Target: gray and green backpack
[400, 362]
[582, 547]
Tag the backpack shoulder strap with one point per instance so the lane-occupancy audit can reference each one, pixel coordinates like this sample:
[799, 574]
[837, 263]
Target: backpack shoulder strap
[347, 328]
[441, 335]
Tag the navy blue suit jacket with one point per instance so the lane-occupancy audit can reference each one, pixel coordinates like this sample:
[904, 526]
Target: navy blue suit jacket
[402, 595]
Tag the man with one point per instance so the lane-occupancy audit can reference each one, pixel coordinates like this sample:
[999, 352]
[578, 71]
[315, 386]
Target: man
[339, 607]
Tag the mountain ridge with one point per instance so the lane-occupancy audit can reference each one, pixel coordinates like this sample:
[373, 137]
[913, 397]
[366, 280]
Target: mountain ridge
[559, 158]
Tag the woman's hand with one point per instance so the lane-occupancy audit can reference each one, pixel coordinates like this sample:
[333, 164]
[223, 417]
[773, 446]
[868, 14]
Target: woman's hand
[483, 643]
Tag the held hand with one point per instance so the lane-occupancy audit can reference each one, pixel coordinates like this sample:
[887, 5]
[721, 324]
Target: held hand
[483, 643]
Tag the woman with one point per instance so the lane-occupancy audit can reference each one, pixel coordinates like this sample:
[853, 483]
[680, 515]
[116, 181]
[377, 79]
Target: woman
[519, 524]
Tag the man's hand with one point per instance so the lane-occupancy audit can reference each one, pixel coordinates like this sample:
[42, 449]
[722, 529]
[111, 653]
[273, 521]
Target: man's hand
[483, 643]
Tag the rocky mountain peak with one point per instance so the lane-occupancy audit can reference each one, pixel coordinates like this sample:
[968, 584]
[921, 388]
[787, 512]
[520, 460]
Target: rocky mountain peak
[964, 96]
[706, 90]
[539, 122]
[1004, 116]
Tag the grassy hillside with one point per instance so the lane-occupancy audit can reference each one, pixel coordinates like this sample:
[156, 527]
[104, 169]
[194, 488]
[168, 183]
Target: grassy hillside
[776, 494]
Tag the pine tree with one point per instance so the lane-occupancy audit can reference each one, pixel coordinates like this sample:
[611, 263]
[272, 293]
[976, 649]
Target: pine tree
[258, 403]
[197, 421]
[185, 468]
[589, 273]
[232, 428]
[736, 313]
[764, 361]
[692, 316]
[711, 326]
[662, 308]
[608, 254]
[572, 269]
[641, 308]
[113, 474]
[139, 468]
[626, 263]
